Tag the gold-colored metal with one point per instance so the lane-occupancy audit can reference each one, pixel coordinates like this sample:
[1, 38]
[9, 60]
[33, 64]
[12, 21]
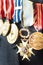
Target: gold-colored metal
[36, 40]
[1, 26]
[25, 50]
[5, 28]
[13, 35]
[26, 30]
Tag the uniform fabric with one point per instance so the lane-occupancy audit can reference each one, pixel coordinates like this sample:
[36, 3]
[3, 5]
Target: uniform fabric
[8, 54]
[37, 1]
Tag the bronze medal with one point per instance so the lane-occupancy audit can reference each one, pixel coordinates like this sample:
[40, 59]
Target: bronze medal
[36, 40]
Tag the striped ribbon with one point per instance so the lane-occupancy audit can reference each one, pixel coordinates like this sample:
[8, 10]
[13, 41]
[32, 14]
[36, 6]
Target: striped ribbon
[1, 9]
[38, 16]
[42, 16]
[18, 11]
[7, 8]
[11, 9]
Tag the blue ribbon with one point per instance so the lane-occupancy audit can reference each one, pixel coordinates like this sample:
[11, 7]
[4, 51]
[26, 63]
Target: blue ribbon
[18, 11]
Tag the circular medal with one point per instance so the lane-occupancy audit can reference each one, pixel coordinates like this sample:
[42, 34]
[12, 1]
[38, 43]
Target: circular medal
[13, 35]
[36, 40]
[1, 26]
[23, 34]
[6, 27]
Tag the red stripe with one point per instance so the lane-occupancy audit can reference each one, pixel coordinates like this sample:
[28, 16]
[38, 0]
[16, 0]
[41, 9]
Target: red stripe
[38, 24]
[0, 7]
[8, 15]
[2, 10]
[7, 6]
[12, 9]
[42, 16]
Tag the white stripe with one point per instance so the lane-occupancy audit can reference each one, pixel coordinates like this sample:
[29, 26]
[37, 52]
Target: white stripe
[4, 6]
[18, 7]
[17, 3]
[20, 15]
[17, 16]
[21, 3]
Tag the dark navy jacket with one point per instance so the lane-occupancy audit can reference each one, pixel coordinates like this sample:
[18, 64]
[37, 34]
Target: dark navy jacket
[8, 55]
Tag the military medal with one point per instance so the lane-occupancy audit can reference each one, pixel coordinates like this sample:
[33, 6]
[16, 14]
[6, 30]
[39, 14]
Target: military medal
[25, 50]
[24, 30]
[13, 35]
[1, 26]
[6, 27]
[36, 40]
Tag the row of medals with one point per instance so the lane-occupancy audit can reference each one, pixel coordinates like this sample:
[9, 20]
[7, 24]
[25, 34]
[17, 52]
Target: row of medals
[28, 42]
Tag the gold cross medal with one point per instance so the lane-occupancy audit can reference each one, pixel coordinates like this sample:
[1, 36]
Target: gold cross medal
[25, 50]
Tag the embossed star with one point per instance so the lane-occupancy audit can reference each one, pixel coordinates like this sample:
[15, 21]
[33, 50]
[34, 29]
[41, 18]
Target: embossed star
[25, 50]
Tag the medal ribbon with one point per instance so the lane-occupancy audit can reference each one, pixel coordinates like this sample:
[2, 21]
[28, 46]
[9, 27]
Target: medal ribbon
[42, 16]
[7, 8]
[38, 16]
[11, 9]
[18, 11]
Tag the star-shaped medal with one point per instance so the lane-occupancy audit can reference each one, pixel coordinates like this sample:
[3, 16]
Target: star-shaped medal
[25, 50]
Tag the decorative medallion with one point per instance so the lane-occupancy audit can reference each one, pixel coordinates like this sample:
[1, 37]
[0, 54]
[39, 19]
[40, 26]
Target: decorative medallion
[36, 40]
[25, 50]
[13, 35]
